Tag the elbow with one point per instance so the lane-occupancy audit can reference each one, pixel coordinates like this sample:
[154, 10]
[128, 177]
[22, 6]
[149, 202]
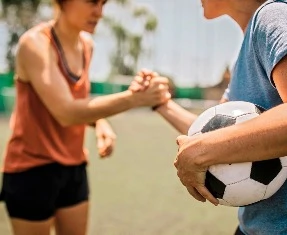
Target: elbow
[66, 118]
[69, 115]
[65, 121]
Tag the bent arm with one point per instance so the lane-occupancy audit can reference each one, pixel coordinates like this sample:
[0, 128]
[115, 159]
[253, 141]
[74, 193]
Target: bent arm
[42, 71]
[261, 138]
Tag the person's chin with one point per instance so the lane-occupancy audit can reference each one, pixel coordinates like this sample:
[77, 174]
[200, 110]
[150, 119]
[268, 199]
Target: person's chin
[209, 17]
[90, 30]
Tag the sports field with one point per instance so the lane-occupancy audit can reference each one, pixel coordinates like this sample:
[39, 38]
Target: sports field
[136, 191]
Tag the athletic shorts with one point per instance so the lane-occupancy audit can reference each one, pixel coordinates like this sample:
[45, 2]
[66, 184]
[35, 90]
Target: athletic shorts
[37, 193]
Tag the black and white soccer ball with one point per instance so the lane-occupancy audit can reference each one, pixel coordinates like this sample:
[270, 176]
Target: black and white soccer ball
[239, 184]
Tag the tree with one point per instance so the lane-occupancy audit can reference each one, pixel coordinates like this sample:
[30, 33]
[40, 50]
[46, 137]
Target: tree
[129, 44]
[20, 15]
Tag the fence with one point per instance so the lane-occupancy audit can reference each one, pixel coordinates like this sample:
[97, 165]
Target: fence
[7, 91]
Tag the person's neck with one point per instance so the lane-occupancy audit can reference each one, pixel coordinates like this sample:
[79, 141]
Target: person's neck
[243, 13]
[67, 34]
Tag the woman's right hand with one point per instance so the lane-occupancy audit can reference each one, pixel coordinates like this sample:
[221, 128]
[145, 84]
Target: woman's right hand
[155, 93]
[142, 80]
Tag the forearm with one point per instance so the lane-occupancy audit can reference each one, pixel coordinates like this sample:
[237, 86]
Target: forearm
[258, 139]
[90, 110]
[177, 116]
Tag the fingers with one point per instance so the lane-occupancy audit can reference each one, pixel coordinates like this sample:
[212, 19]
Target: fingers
[196, 189]
[109, 142]
[203, 191]
[180, 140]
[192, 175]
[159, 80]
[162, 86]
[139, 79]
[158, 87]
[145, 78]
[191, 187]
[107, 147]
[135, 87]
[193, 192]
[167, 96]
[154, 74]
[104, 153]
[139, 84]
[143, 72]
[143, 81]
[147, 73]
[106, 140]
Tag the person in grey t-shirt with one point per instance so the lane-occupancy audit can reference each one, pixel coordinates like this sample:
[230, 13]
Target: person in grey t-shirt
[259, 77]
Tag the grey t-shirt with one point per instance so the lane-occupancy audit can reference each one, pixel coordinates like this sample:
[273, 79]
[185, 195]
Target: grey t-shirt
[264, 45]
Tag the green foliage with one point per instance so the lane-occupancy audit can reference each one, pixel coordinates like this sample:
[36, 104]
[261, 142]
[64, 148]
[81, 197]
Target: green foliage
[20, 16]
[19, 4]
[129, 45]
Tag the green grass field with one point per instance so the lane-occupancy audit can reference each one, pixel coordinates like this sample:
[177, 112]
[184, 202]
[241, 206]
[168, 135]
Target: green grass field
[136, 191]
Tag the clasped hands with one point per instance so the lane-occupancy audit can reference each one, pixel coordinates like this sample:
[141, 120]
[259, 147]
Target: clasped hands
[190, 169]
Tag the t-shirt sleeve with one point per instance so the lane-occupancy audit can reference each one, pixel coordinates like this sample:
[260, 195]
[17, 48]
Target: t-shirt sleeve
[226, 94]
[270, 35]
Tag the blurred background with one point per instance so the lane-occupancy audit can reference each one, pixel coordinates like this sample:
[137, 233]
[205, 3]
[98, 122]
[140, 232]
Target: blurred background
[137, 191]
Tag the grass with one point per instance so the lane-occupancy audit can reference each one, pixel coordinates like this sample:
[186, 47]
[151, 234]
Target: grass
[136, 191]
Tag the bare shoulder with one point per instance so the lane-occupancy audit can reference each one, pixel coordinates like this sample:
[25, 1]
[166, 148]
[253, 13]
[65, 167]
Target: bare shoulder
[34, 51]
[33, 42]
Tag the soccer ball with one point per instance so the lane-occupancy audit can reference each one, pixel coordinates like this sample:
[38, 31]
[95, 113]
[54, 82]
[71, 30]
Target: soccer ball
[239, 184]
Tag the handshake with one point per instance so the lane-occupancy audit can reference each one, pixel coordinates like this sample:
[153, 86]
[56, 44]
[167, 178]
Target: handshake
[150, 89]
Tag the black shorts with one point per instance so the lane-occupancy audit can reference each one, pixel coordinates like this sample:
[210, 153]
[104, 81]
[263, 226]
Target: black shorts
[37, 193]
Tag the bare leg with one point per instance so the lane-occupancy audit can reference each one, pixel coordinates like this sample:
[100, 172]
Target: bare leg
[72, 220]
[25, 227]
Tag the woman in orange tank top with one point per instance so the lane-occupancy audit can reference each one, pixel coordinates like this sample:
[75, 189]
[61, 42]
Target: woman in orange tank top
[45, 180]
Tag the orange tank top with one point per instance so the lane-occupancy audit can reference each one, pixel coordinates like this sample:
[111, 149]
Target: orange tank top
[37, 138]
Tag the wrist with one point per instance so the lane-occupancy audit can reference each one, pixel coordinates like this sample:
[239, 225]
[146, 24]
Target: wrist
[160, 107]
[101, 121]
[207, 155]
[134, 99]
[156, 107]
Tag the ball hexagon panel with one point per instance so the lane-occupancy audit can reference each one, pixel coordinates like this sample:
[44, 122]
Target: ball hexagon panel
[246, 117]
[265, 171]
[201, 121]
[235, 108]
[276, 183]
[231, 173]
[214, 185]
[223, 202]
[283, 161]
[244, 193]
[217, 122]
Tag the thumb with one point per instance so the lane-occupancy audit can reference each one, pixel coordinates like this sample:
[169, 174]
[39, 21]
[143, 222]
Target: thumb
[180, 140]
